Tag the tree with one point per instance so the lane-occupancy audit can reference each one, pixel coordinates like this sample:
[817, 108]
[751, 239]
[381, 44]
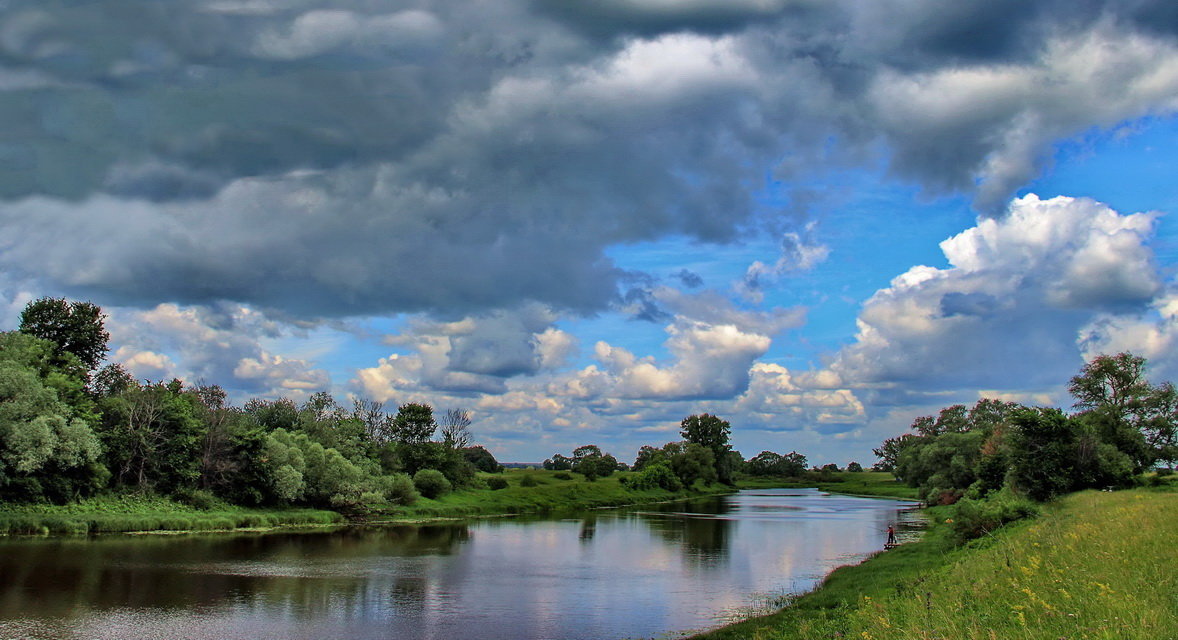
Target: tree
[46, 452]
[558, 462]
[455, 426]
[1125, 409]
[75, 327]
[482, 459]
[377, 424]
[889, 452]
[854, 467]
[711, 432]
[414, 423]
[153, 437]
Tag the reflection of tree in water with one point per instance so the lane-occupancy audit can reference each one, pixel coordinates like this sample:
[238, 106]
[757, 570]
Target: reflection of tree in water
[305, 572]
[588, 528]
[700, 528]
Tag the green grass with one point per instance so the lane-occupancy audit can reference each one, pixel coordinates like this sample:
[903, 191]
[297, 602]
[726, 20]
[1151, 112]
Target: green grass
[1093, 566]
[137, 512]
[549, 495]
[865, 483]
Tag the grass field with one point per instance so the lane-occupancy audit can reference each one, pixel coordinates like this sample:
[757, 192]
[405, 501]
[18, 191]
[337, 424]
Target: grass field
[865, 483]
[549, 492]
[136, 512]
[1094, 566]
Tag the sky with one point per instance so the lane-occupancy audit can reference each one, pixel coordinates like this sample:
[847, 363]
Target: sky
[583, 222]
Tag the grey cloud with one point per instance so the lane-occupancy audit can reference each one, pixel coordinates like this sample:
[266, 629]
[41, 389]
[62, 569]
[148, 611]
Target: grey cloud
[343, 157]
[968, 304]
[690, 279]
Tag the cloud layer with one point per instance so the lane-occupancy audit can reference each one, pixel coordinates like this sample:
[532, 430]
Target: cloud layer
[342, 158]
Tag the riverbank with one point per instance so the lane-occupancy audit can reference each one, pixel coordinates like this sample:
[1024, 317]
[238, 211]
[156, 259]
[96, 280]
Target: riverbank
[528, 491]
[131, 513]
[1093, 565]
[537, 491]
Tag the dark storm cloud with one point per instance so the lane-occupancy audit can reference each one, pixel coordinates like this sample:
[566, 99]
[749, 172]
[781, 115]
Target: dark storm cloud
[348, 157]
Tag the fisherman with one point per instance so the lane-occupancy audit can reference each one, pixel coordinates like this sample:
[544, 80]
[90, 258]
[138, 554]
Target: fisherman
[891, 536]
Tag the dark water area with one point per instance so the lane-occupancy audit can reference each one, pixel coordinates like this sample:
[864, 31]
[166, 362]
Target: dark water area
[656, 570]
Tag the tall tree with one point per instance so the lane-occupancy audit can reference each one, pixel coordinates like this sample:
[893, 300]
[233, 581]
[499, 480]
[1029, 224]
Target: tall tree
[75, 327]
[711, 432]
[414, 423]
[456, 428]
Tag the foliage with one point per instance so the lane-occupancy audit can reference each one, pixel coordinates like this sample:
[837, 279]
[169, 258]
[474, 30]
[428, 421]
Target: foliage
[854, 467]
[710, 431]
[75, 328]
[1052, 454]
[529, 481]
[972, 518]
[481, 459]
[655, 475]
[768, 463]
[431, 483]
[495, 483]
[46, 453]
[558, 462]
[152, 437]
[414, 423]
[590, 462]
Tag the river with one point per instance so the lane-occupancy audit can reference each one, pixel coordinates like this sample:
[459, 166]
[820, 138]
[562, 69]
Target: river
[656, 570]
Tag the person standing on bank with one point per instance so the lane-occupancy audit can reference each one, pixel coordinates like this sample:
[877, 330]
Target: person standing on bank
[891, 536]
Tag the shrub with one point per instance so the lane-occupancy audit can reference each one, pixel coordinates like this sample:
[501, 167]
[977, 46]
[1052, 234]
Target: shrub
[197, 498]
[528, 481]
[431, 483]
[656, 475]
[398, 488]
[562, 476]
[496, 483]
[975, 518]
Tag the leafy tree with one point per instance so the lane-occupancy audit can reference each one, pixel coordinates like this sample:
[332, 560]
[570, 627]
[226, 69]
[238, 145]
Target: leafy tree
[647, 455]
[889, 452]
[414, 423]
[711, 432]
[273, 414]
[377, 424]
[854, 467]
[153, 437]
[589, 461]
[558, 462]
[1125, 409]
[482, 459]
[46, 452]
[75, 327]
[690, 462]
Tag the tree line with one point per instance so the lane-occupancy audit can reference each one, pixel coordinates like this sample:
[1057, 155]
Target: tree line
[1123, 426]
[69, 429]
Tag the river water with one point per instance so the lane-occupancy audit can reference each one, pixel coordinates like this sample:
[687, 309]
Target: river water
[628, 573]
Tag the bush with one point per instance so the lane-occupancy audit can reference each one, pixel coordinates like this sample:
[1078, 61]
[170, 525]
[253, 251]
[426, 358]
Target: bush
[562, 476]
[974, 518]
[529, 481]
[431, 483]
[398, 488]
[197, 499]
[496, 483]
[656, 475]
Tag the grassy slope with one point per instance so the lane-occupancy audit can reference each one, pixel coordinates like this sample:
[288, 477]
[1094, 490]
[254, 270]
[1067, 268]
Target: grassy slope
[122, 513]
[1095, 565]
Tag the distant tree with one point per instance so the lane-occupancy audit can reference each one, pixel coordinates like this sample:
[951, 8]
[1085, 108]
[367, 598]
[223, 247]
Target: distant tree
[75, 327]
[889, 452]
[414, 423]
[854, 467]
[455, 425]
[710, 431]
[589, 461]
[111, 380]
[482, 459]
[830, 467]
[647, 455]
[558, 462]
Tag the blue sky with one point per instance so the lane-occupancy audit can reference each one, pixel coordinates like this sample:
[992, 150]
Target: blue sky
[818, 220]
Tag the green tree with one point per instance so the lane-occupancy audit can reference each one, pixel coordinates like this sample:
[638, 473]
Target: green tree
[1124, 408]
[711, 432]
[46, 452]
[455, 425]
[414, 423]
[153, 437]
[75, 327]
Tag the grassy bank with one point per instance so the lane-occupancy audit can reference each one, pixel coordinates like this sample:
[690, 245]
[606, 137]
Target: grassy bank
[127, 513]
[536, 491]
[1094, 565]
[865, 483]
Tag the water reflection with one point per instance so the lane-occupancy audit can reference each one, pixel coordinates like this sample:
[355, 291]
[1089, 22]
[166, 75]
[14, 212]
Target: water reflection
[614, 573]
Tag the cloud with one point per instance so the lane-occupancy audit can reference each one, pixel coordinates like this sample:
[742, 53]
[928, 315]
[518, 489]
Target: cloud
[1006, 313]
[221, 345]
[341, 159]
